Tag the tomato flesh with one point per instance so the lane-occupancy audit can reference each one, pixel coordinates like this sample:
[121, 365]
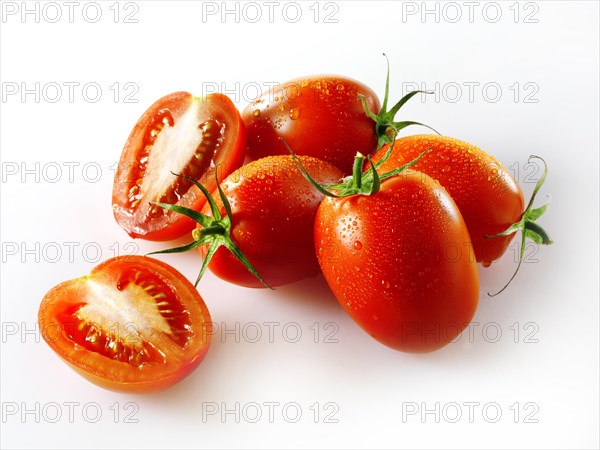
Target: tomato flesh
[133, 324]
[318, 116]
[179, 134]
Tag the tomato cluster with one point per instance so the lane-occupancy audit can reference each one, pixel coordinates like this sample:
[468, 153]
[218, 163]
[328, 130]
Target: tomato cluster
[397, 234]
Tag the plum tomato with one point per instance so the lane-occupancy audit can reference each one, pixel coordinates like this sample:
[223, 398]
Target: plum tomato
[397, 255]
[319, 116]
[488, 197]
[193, 136]
[133, 324]
[273, 211]
[400, 263]
[329, 117]
[258, 230]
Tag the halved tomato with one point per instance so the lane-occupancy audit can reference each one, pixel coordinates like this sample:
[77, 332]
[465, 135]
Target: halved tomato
[133, 324]
[182, 134]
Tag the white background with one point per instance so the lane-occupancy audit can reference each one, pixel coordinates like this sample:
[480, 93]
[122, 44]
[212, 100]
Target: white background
[548, 369]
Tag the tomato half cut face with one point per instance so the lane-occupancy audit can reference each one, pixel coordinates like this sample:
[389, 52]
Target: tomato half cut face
[182, 134]
[133, 324]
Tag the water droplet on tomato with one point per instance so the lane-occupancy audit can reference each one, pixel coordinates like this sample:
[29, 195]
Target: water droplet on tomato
[294, 114]
[385, 284]
[486, 263]
[357, 245]
[256, 112]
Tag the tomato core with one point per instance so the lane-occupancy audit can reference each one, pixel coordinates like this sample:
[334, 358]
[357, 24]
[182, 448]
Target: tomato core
[166, 141]
[114, 331]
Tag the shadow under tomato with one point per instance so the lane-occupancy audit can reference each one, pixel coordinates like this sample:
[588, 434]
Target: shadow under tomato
[311, 293]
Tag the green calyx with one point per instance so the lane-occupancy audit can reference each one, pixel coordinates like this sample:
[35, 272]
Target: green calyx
[386, 128]
[215, 231]
[527, 226]
[359, 183]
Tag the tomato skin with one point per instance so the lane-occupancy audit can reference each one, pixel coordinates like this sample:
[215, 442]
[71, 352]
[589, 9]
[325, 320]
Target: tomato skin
[318, 116]
[58, 324]
[488, 197]
[273, 212]
[400, 262]
[228, 156]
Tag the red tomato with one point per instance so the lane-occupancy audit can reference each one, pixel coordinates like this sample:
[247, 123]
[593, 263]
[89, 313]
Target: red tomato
[318, 116]
[183, 134]
[488, 197]
[400, 262]
[273, 212]
[133, 324]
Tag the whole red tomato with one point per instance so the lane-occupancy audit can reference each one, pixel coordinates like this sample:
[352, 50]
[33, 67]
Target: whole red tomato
[193, 136]
[273, 211]
[330, 117]
[398, 258]
[488, 197]
[318, 116]
[258, 230]
[133, 324]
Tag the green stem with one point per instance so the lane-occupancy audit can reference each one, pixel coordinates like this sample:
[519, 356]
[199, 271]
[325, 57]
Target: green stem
[364, 183]
[386, 128]
[527, 225]
[357, 171]
[215, 231]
